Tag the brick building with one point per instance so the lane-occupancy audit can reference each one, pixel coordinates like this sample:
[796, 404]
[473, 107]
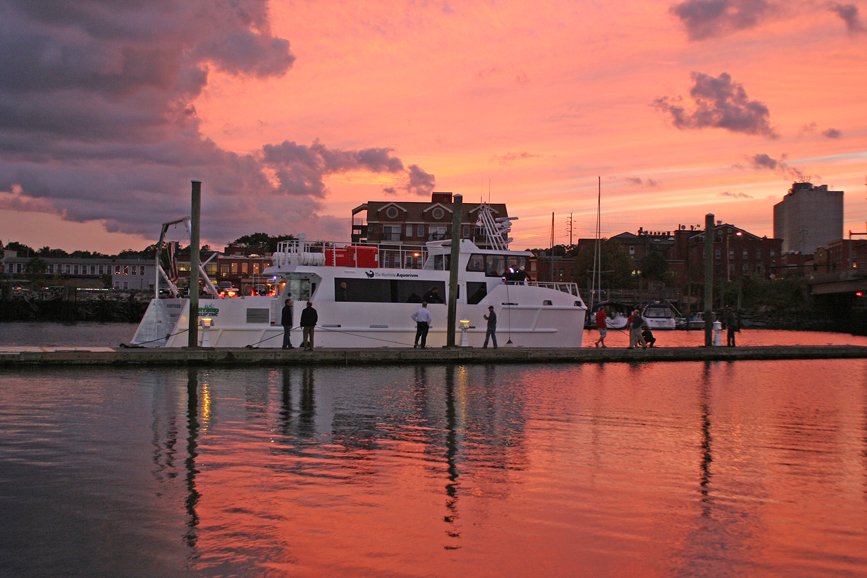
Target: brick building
[417, 222]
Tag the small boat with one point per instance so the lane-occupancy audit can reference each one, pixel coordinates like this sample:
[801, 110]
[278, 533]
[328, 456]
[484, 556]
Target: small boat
[659, 315]
[694, 321]
[618, 313]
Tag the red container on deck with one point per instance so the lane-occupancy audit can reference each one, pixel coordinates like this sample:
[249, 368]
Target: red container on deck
[353, 256]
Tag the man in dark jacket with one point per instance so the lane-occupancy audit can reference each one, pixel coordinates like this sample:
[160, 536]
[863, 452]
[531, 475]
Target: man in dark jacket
[492, 327]
[286, 322]
[309, 317]
[732, 326]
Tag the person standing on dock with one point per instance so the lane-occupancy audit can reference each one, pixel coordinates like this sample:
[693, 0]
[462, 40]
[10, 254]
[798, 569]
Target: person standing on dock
[635, 327]
[422, 320]
[286, 322]
[731, 326]
[602, 326]
[309, 317]
[491, 317]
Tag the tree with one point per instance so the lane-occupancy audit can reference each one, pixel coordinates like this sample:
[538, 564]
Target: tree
[22, 249]
[616, 265]
[263, 240]
[654, 267]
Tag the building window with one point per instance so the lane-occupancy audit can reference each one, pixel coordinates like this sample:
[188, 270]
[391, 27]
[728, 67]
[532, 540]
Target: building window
[125, 272]
[408, 231]
[117, 269]
[746, 254]
[234, 268]
[391, 212]
[631, 250]
[772, 253]
[243, 268]
[255, 268]
[758, 253]
[101, 270]
[745, 268]
[758, 269]
[717, 253]
[438, 213]
[419, 231]
[437, 233]
[141, 270]
[465, 232]
[391, 232]
[731, 253]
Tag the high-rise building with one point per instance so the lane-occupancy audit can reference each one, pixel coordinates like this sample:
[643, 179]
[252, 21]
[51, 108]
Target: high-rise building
[808, 217]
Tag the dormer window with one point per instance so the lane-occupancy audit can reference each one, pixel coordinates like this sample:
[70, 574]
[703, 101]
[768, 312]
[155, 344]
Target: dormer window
[391, 212]
[437, 213]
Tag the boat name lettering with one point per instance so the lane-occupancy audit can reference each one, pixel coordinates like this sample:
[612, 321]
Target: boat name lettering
[209, 311]
[397, 275]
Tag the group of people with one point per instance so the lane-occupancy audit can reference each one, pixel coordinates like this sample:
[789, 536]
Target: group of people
[309, 318]
[423, 320]
[639, 331]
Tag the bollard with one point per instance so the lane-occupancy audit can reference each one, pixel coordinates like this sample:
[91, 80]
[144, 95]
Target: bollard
[717, 333]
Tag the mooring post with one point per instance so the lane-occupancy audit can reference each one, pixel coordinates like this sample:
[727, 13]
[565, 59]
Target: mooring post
[195, 217]
[709, 236]
[457, 205]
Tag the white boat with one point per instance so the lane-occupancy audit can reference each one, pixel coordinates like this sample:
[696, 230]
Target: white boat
[618, 313]
[659, 315]
[365, 294]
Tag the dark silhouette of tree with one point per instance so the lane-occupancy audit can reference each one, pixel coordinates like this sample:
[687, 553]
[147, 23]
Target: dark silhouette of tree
[654, 267]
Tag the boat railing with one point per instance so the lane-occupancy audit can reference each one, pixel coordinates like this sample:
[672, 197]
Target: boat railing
[350, 255]
[565, 287]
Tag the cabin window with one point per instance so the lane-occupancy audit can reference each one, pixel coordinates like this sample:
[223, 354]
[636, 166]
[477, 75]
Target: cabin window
[476, 291]
[386, 290]
[547, 303]
[476, 263]
[495, 265]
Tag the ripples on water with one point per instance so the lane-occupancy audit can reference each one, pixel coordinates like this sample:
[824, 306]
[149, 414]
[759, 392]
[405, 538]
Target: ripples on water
[661, 469]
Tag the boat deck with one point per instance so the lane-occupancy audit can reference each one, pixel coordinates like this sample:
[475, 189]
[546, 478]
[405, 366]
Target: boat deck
[17, 357]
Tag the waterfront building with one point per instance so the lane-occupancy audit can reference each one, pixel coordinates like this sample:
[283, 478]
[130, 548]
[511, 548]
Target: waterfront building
[417, 222]
[808, 217]
[737, 254]
[138, 274]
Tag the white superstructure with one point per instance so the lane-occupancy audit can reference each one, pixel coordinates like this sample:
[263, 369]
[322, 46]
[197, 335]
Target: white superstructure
[365, 295]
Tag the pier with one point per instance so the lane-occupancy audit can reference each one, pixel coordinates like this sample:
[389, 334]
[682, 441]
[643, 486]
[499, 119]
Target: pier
[38, 357]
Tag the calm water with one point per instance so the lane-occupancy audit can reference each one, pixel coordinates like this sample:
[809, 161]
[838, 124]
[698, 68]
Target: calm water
[658, 469]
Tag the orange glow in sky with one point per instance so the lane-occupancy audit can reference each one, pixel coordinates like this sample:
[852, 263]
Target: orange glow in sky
[681, 111]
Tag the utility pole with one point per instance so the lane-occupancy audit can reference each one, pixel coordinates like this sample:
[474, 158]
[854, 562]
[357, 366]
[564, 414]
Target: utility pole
[709, 233]
[195, 227]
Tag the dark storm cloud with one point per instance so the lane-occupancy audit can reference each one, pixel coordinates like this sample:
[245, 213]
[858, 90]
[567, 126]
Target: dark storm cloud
[832, 133]
[849, 14]
[764, 161]
[718, 103]
[98, 118]
[713, 18]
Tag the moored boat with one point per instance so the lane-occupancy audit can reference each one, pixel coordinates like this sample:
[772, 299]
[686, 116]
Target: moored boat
[659, 315]
[365, 296]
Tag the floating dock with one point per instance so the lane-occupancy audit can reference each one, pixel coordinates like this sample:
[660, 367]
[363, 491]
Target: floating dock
[17, 357]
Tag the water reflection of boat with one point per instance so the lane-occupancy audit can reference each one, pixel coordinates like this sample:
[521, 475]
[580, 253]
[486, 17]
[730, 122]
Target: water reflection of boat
[659, 315]
[618, 313]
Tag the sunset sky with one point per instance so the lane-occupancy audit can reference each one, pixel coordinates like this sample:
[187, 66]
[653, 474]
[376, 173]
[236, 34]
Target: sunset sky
[291, 113]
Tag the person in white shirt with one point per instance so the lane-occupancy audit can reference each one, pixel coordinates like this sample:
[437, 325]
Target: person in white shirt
[422, 320]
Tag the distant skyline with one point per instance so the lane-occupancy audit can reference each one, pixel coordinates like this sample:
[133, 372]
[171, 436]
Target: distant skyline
[293, 113]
